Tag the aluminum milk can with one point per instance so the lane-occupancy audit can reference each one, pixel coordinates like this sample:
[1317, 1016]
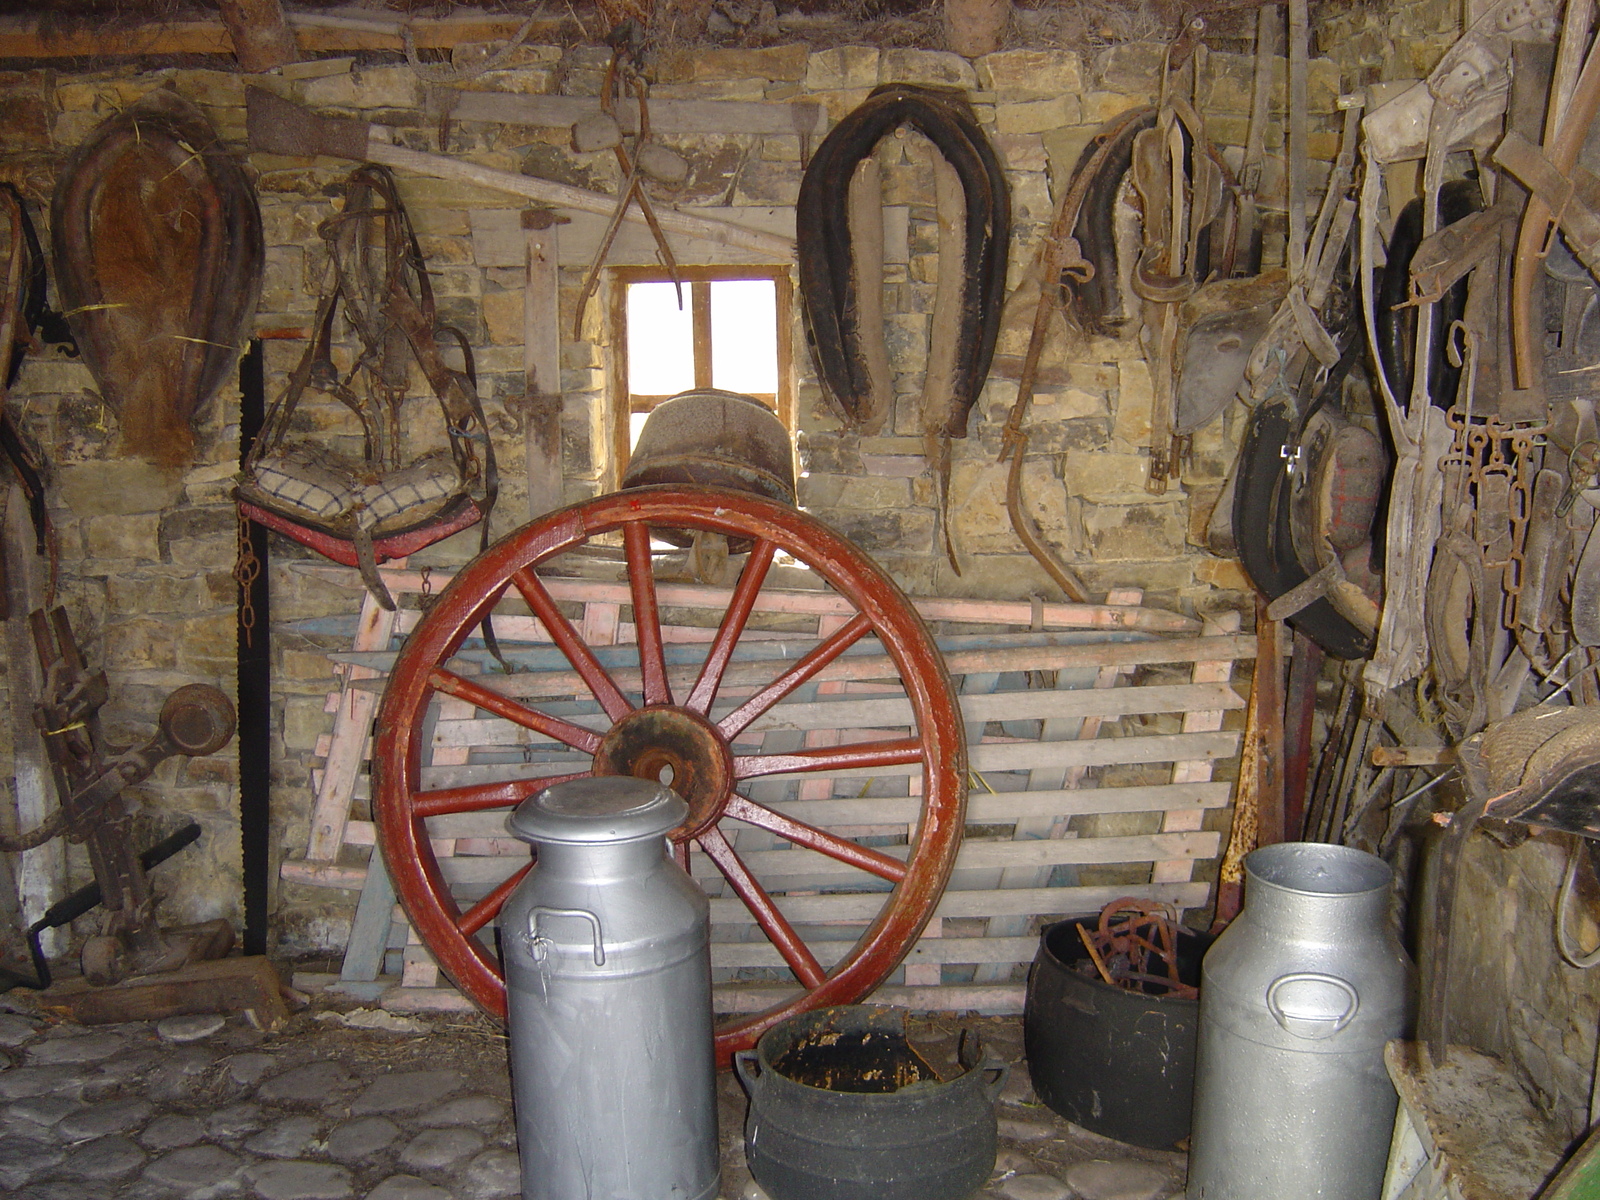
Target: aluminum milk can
[1298, 997]
[608, 990]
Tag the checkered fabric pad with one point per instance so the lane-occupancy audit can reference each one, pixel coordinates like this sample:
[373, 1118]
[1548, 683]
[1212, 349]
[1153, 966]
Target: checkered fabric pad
[310, 484]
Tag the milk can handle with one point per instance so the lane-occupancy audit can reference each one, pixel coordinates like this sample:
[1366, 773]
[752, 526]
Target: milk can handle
[581, 913]
[747, 1066]
[1313, 1027]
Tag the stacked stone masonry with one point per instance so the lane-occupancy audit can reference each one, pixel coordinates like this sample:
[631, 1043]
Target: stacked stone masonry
[147, 555]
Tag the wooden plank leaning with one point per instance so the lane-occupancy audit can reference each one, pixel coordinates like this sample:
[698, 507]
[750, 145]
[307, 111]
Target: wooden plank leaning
[331, 809]
[1196, 770]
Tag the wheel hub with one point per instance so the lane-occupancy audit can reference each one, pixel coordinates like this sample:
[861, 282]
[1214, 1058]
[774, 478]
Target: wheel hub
[678, 748]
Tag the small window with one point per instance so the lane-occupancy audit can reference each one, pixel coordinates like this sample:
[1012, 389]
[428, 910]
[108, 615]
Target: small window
[732, 332]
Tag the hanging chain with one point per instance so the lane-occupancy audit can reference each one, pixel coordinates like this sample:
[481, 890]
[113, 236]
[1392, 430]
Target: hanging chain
[246, 570]
[1493, 464]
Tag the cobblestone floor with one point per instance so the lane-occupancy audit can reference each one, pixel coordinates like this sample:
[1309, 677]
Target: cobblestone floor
[328, 1109]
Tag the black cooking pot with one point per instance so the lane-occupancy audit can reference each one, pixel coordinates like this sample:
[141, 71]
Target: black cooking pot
[1115, 1061]
[841, 1108]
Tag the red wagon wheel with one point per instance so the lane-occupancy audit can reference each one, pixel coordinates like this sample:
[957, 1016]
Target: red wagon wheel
[687, 725]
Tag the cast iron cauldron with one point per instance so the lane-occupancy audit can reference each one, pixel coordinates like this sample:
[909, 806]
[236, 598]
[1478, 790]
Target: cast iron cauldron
[1117, 1062]
[875, 1122]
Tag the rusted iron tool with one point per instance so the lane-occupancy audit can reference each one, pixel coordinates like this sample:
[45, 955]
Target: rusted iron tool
[1136, 939]
[196, 719]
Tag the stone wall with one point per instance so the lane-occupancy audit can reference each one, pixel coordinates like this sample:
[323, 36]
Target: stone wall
[146, 554]
[1511, 994]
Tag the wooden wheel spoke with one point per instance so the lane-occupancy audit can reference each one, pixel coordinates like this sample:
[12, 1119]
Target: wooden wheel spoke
[485, 910]
[882, 865]
[475, 693]
[476, 797]
[740, 605]
[828, 650]
[567, 640]
[773, 923]
[646, 613]
[894, 753]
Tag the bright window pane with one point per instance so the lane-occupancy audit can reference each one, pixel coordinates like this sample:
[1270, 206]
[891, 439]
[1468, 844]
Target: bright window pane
[660, 340]
[744, 336]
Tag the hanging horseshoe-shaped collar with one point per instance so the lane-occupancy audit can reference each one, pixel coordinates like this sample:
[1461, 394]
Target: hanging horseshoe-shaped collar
[827, 282]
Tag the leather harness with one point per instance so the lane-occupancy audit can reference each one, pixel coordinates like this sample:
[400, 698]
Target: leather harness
[380, 283]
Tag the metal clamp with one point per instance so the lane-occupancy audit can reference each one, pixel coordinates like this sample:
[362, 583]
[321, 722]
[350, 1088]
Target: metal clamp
[1312, 985]
[538, 945]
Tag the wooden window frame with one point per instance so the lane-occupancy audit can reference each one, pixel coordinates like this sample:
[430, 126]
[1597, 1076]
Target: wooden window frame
[624, 403]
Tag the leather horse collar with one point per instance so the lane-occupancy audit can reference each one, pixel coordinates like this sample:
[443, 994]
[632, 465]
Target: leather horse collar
[1097, 301]
[828, 287]
[1262, 520]
[39, 322]
[158, 252]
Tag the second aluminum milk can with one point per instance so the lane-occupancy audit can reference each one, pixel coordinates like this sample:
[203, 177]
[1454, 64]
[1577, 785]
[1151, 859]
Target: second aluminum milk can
[1297, 998]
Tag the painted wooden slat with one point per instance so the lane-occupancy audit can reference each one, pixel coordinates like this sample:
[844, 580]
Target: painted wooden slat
[533, 651]
[1074, 704]
[1009, 756]
[1040, 854]
[993, 999]
[988, 999]
[1018, 756]
[985, 758]
[526, 686]
[991, 903]
[929, 951]
[978, 853]
[983, 807]
[836, 908]
[986, 808]
[933, 951]
[777, 868]
[932, 608]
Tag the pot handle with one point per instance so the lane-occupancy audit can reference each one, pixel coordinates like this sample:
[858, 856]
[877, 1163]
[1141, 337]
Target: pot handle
[1002, 1070]
[747, 1066]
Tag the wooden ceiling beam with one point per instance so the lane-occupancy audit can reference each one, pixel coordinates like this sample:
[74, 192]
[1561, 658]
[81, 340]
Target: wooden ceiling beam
[20, 37]
[261, 36]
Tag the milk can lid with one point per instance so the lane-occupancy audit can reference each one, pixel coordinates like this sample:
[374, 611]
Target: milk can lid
[612, 808]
